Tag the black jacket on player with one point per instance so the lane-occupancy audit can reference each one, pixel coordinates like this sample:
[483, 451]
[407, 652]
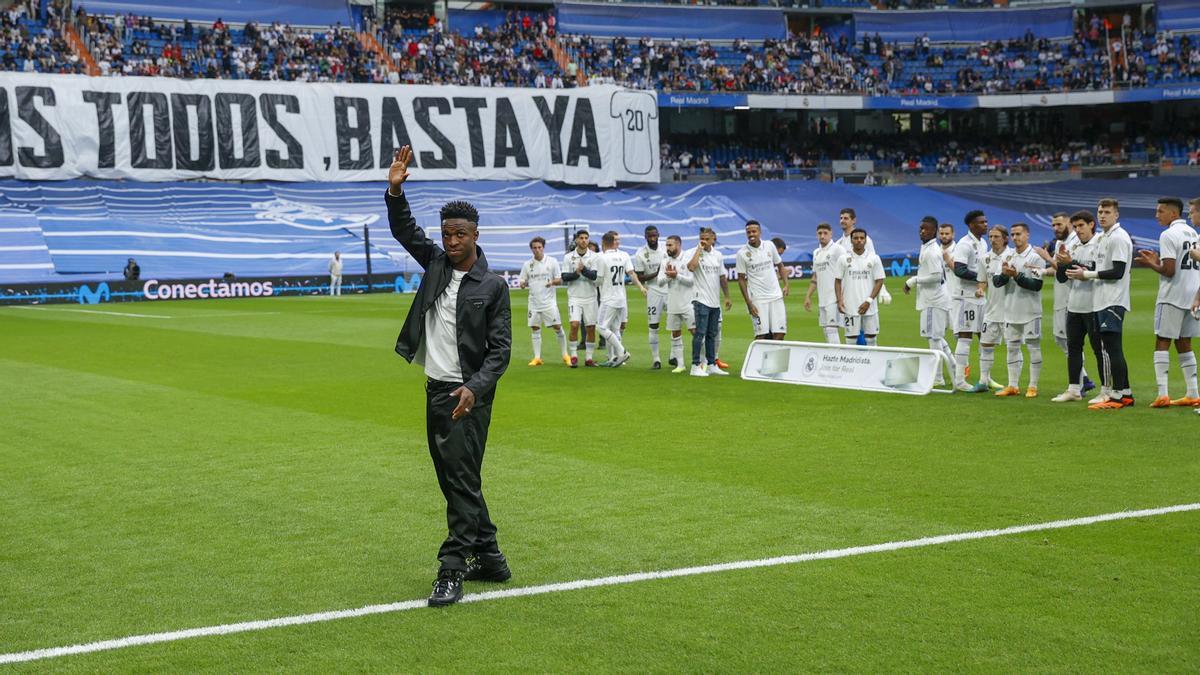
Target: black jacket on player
[483, 317]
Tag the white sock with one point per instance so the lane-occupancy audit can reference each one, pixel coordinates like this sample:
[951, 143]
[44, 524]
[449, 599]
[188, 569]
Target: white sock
[871, 342]
[987, 356]
[654, 345]
[1035, 363]
[615, 348]
[537, 344]
[677, 349]
[1162, 368]
[1062, 343]
[831, 335]
[1187, 363]
[589, 350]
[962, 357]
[573, 348]
[1075, 388]
[562, 341]
[938, 344]
[1016, 362]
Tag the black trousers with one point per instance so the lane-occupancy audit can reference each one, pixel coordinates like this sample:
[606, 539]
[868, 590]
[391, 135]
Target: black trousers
[1078, 326]
[456, 447]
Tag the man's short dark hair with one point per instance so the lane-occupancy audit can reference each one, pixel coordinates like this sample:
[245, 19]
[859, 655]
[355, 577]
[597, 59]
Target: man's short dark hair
[754, 223]
[1061, 214]
[857, 230]
[650, 228]
[537, 240]
[1110, 202]
[675, 238]
[779, 243]
[1172, 201]
[1023, 226]
[824, 226]
[931, 221]
[1085, 216]
[609, 238]
[971, 215]
[949, 225]
[575, 237]
[1001, 229]
[460, 209]
[1194, 202]
[849, 211]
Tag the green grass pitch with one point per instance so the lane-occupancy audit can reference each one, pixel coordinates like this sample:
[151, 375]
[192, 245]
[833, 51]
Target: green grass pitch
[252, 459]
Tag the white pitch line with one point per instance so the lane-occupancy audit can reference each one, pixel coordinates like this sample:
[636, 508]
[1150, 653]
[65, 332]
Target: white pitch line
[320, 617]
[92, 311]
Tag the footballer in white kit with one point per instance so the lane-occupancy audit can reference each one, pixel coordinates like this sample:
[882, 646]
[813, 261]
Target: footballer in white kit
[763, 282]
[1178, 285]
[1110, 295]
[858, 289]
[646, 262]
[967, 292]
[826, 266]
[611, 266]
[848, 221]
[1022, 273]
[579, 274]
[932, 299]
[991, 268]
[1081, 321]
[541, 275]
[680, 314]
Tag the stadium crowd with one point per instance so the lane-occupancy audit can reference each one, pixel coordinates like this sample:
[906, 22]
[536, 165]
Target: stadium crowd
[518, 53]
[825, 65]
[941, 154]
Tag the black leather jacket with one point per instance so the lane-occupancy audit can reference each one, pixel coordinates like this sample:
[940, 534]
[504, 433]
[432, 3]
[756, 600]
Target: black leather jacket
[484, 320]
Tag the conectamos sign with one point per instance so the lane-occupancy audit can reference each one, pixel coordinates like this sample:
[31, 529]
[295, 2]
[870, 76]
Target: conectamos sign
[155, 290]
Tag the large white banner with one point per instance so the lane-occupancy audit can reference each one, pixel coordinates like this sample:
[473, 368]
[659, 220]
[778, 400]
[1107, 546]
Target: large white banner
[896, 370]
[55, 127]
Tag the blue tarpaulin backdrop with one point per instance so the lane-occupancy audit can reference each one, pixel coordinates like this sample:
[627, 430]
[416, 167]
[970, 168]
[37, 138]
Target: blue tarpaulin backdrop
[55, 231]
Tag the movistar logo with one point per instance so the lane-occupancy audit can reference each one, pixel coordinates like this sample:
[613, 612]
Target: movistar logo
[89, 297]
[407, 286]
[902, 267]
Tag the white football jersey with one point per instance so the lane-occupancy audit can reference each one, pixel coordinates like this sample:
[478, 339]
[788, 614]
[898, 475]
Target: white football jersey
[647, 261]
[582, 288]
[1113, 246]
[612, 266]
[1081, 300]
[638, 115]
[931, 277]
[1062, 291]
[970, 251]
[537, 274]
[758, 265]
[1176, 243]
[1024, 305]
[827, 266]
[707, 275]
[859, 274]
[997, 296]
[679, 289]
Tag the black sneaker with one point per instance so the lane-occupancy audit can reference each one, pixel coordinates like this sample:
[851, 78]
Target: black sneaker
[488, 569]
[656, 366]
[447, 588]
[673, 362]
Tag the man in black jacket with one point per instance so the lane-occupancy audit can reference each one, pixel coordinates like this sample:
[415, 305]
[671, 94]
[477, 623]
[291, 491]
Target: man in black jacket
[460, 329]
